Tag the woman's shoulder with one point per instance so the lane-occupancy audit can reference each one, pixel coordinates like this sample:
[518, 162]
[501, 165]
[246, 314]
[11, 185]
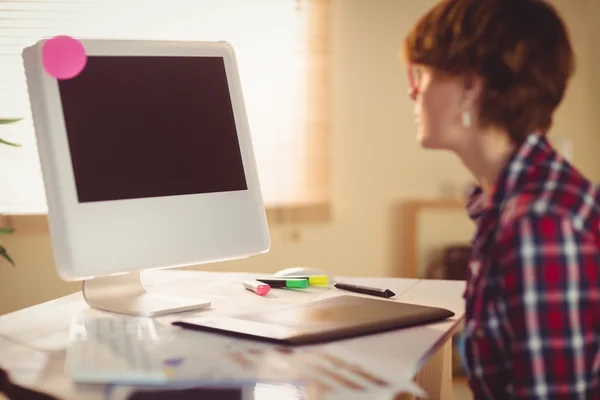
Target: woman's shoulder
[556, 193]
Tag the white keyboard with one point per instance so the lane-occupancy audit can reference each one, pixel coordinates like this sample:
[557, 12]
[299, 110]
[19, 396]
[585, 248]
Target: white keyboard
[114, 350]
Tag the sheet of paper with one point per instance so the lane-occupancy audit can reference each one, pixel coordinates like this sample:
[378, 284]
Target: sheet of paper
[45, 331]
[229, 297]
[201, 358]
[26, 366]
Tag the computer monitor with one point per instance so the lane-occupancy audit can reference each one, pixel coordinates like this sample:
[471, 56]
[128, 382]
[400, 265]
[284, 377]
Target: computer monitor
[147, 162]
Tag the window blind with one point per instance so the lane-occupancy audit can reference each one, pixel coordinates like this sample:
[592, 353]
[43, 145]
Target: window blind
[283, 54]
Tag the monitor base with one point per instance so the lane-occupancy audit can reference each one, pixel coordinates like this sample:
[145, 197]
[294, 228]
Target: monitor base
[125, 294]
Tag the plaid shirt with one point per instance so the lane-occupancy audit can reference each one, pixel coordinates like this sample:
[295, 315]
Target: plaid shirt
[532, 327]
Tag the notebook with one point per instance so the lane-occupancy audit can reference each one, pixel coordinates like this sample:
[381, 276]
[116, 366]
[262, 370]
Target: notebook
[320, 321]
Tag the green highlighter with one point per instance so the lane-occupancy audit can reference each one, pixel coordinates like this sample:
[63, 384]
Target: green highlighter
[291, 283]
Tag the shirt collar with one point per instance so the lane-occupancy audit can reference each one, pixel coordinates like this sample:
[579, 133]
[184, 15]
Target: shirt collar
[511, 177]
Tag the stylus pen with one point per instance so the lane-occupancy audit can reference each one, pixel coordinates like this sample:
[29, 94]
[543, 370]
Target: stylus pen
[365, 290]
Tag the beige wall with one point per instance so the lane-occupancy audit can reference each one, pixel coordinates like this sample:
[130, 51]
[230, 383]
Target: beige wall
[376, 162]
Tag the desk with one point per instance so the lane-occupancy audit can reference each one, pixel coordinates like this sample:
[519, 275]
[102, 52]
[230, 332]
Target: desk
[419, 354]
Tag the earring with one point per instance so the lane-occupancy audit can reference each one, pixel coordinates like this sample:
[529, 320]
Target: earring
[466, 119]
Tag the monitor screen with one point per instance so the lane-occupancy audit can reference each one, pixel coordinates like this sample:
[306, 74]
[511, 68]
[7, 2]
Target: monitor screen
[146, 126]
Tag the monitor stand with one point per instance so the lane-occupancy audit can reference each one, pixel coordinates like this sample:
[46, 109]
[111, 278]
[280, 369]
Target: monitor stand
[125, 294]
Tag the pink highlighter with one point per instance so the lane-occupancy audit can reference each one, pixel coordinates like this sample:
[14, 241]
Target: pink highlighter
[257, 287]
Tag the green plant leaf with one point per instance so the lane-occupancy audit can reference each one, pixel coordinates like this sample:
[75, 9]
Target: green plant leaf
[9, 120]
[4, 254]
[6, 231]
[2, 141]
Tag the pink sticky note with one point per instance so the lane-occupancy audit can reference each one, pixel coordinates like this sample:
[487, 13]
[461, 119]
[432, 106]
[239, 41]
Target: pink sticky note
[63, 57]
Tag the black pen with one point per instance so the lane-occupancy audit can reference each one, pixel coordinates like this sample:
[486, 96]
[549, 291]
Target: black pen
[291, 283]
[365, 290]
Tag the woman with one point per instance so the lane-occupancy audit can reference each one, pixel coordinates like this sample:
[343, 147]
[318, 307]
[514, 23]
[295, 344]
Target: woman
[486, 78]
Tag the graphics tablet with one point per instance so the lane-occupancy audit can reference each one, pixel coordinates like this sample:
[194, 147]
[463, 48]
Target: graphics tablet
[334, 318]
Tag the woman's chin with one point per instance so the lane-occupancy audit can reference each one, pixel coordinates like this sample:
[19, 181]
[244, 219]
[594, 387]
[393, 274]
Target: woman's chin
[425, 140]
[429, 141]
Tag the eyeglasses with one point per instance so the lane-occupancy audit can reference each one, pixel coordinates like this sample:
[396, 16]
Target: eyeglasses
[414, 80]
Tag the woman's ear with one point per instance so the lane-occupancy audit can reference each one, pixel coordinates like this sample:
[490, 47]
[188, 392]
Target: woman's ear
[471, 88]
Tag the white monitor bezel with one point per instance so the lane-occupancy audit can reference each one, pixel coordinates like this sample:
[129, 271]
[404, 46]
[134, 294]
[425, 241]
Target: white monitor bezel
[110, 237]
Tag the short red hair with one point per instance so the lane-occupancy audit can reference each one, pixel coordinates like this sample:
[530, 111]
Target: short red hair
[520, 48]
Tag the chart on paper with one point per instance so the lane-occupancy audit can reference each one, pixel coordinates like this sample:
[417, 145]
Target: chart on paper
[327, 372]
[215, 359]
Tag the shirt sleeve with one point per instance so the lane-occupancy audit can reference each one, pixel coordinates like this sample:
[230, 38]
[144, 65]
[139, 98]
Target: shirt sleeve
[550, 308]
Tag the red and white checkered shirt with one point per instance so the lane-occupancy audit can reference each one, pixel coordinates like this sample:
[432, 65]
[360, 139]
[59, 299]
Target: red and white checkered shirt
[532, 326]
